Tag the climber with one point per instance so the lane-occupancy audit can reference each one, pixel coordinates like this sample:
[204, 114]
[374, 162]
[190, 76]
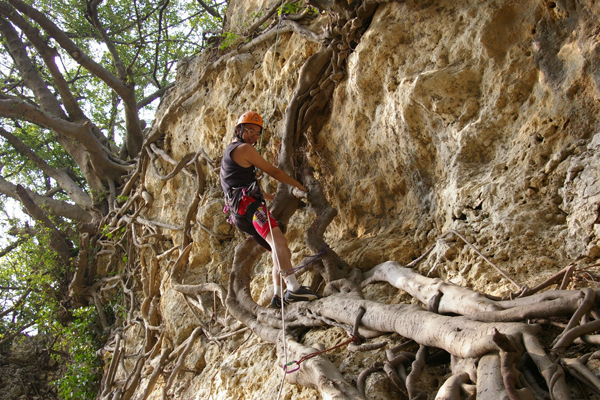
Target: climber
[249, 212]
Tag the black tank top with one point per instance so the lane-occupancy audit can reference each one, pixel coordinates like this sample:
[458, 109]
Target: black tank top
[234, 176]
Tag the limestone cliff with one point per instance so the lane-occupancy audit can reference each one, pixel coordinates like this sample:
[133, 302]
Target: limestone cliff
[478, 117]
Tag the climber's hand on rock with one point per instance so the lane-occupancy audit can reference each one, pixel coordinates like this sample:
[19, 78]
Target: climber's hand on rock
[299, 193]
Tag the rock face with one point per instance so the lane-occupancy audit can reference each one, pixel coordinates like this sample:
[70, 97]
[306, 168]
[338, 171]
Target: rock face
[478, 117]
[27, 370]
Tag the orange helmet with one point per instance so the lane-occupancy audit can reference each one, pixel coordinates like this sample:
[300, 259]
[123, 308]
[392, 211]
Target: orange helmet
[250, 117]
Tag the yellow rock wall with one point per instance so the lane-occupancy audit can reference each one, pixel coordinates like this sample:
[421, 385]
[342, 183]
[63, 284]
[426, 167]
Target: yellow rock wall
[476, 116]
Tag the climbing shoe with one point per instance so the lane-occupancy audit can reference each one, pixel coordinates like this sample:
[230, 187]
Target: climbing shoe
[276, 302]
[302, 294]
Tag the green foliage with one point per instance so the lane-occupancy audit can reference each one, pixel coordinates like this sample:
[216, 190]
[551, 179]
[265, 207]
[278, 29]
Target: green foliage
[33, 271]
[30, 273]
[84, 368]
[122, 199]
[33, 275]
[150, 38]
[18, 169]
[291, 8]
[296, 8]
[229, 39]
[111, 233]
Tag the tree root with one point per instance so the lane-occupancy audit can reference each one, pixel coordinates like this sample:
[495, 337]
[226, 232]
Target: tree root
[451, 389]
[486, 337]
[178, 166]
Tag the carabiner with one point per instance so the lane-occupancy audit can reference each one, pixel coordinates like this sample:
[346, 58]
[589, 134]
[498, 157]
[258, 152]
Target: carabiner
[293, 370]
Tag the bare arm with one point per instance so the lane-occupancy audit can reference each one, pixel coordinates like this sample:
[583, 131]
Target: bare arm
[246, 155]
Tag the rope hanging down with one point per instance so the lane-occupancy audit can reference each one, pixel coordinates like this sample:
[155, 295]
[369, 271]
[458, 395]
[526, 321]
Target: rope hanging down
[270, 228]
[268, 219]
[272, 71]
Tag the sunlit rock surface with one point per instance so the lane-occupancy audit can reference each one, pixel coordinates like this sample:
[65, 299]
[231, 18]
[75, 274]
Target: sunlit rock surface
[480, 117]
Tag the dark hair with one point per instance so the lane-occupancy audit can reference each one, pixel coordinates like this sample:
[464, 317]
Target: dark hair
[238, 132]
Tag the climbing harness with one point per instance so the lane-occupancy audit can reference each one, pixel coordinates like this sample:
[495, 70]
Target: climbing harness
[250, 200]
[353, 339]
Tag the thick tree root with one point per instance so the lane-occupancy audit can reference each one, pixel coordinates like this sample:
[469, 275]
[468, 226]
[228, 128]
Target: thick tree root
[494, 348]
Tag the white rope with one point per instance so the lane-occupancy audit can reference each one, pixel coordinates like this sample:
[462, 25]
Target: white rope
[282, 322]
[272, 70]
[273, 247]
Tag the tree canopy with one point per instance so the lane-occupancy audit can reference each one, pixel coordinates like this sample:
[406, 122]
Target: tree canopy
[77, 80]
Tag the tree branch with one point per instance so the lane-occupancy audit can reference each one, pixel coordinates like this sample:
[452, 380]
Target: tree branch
[122, 87]
[61, 177]
[149, 99]
[28, 71]
[57, 242]
[11, 336]
[92, 12]
[12, 246]
[74, 51]
[54, 207]
[209, 9]
[134, 135]
[16, 304]
[48, 54]
[82, 133]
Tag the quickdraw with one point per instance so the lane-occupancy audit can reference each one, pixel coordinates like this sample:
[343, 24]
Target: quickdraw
[311, 355]
[311, 260]
[230, 216]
